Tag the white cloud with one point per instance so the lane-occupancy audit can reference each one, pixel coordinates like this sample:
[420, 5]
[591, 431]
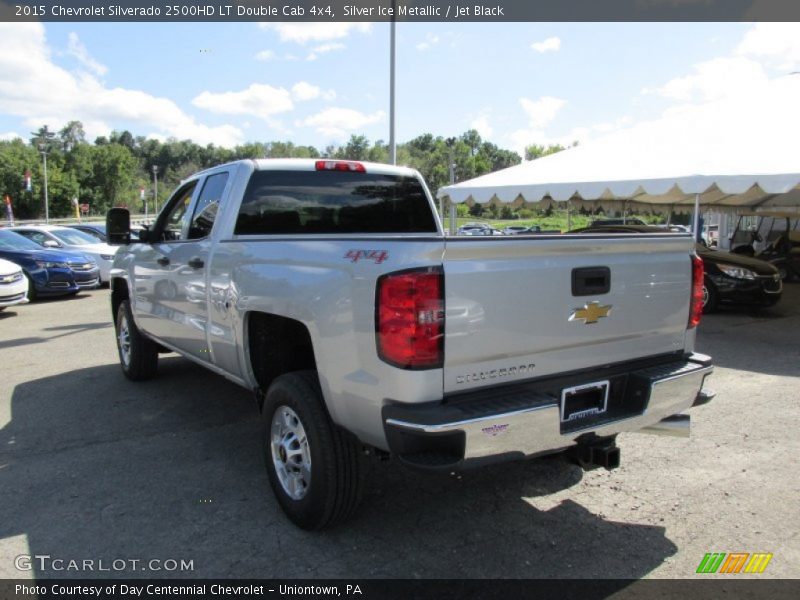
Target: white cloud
[324, 49]
[258, 99]
[9, 135]
[608, 126]
[430, 40]
[76, 48]
[337, 122]
[303, 90]
[302, 33]
[266, 55]
[551, 44]
[776, 44]
[33, 87]
[481, 125]
[542, 111]
[713, 79]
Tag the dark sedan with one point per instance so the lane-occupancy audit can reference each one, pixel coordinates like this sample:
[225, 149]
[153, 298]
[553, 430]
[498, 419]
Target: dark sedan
[50, 272]
[729, 278]
[733, 278]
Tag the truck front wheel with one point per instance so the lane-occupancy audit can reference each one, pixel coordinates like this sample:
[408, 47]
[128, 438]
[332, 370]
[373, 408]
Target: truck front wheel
[138, 356]
[316, 470]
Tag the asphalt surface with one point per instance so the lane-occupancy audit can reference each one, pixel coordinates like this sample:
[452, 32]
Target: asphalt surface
[94, 467]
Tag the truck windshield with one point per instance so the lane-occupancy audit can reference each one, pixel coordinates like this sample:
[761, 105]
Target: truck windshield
[314, 202]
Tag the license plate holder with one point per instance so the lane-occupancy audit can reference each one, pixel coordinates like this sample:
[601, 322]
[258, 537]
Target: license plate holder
[582, 401]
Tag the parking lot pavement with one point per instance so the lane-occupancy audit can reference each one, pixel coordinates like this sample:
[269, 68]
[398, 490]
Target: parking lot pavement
[95, 467]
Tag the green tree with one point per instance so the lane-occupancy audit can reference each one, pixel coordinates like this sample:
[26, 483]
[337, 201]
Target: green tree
[113, 176]
[535, 151]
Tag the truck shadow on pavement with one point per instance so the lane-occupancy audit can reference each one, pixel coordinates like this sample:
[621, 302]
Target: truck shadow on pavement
[95, 467]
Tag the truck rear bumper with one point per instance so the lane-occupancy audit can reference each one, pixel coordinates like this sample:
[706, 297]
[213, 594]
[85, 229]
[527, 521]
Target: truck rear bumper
[527, 420]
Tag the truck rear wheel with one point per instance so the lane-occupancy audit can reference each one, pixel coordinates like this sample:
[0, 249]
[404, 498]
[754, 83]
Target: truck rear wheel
[316, 470]
[138, 356]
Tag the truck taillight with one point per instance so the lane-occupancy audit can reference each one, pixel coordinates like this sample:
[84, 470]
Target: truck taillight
[696, 305]
[409, 318]
[340, 165]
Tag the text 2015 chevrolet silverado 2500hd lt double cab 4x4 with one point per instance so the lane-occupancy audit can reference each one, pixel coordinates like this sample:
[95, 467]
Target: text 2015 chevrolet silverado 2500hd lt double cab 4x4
[329, 288]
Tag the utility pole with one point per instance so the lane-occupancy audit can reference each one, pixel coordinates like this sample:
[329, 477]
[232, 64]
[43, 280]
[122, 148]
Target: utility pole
[451, 142]
[392, 142]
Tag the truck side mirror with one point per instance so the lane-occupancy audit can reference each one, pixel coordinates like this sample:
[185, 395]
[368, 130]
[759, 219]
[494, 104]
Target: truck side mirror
[118, 226]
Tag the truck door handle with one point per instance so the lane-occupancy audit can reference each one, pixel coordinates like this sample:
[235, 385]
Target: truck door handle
[163, 261]
[196, 263]
[591, 281]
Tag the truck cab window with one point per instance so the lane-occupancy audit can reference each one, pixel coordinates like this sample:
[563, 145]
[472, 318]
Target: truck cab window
[207, 205]
[173, 224]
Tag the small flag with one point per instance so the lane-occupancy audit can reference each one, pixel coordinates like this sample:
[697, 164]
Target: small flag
[28, 181]
[9, 210]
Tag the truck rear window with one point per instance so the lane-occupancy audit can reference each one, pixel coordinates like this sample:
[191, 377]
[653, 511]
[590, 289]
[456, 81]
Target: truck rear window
[311, 202]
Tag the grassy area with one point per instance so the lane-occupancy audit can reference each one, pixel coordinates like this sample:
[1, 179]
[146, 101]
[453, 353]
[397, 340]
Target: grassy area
[555, 222]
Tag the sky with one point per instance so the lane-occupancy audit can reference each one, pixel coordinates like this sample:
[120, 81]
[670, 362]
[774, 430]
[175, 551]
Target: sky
[318, 83]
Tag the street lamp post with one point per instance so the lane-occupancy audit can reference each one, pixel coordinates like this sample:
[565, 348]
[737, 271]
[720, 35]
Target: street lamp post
[43, 150]
[155, 188]
[44, 137]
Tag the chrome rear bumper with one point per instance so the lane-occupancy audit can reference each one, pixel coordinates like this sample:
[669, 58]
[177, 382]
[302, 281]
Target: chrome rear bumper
[536, 428]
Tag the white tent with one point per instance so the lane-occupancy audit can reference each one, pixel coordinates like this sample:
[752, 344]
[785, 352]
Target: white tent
[738, 152]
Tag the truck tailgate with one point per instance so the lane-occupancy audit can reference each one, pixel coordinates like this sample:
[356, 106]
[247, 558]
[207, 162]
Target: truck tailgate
[529, 307]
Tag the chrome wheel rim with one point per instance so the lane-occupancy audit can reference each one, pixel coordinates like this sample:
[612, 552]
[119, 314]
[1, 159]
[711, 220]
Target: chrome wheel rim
[290, 452]
[124, 341]
[705, 296]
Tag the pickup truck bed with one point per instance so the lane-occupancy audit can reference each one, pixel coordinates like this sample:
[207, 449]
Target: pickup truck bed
[329, 289]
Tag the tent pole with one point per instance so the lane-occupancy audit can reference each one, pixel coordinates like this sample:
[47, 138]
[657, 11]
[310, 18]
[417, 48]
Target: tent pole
[453, 226]
[696, 217]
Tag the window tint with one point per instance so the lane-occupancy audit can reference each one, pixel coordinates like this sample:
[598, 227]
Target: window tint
[178, 207]
[207, 205]
[289, 202]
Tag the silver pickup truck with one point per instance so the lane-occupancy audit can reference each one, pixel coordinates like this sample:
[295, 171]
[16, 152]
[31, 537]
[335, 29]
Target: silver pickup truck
[330, 289]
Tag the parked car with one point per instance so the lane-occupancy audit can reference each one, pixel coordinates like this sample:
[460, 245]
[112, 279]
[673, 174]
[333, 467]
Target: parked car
[474, 229]
[521, 229]
[49, 272]
[13, 284]
[624, 221]
[728, 278]
[737, 279]
[96, 230]
[54, 236]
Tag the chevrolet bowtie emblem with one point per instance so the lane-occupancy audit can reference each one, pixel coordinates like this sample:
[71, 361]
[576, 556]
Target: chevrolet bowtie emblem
[590, 313]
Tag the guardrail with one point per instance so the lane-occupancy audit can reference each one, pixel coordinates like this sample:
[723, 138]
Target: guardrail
[135, 220]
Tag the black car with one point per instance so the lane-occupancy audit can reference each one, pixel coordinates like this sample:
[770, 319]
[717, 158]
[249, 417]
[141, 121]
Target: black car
[729, 278]
[733, 278]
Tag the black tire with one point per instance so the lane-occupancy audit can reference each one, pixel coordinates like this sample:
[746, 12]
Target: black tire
[31, 288]
[336, 465]
[710, 297]
[139, 360]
